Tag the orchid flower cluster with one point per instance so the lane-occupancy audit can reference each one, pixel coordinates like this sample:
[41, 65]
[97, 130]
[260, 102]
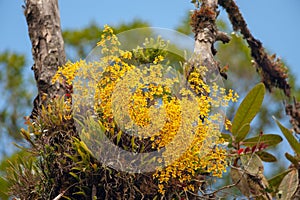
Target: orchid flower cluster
[153, 103]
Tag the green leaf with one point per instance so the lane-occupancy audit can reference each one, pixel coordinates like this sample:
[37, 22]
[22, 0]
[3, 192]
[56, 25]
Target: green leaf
[83, 145]
[133, 145]
[79, 193]
[76, 168]
[276, 180]
[289, 185]
[226, 137]
[81, 153]
[119, 136]
[65, 197]
[248, 108]
[289, 136]
[242, 132]
[252, 163]
[267, 157]
[74, 175]
[73, 158]
[267, 139]
[239, 177]
[292, 159]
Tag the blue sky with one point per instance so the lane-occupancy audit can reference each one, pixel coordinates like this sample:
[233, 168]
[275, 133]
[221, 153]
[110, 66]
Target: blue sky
[275, 23]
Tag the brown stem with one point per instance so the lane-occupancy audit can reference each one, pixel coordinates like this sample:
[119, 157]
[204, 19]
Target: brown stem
[48, 52]
[272, 71]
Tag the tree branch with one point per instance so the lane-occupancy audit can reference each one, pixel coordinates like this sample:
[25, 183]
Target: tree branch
[293, 110]
[203, 22]
[204, 27]
[48, 52]
[272, 71]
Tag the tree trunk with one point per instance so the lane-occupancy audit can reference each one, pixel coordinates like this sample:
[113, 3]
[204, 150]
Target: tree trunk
[204, 26]
[48, 52]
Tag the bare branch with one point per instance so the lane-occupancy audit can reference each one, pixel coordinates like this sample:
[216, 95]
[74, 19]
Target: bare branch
[222, 36]
[272, 71]
[293, 110]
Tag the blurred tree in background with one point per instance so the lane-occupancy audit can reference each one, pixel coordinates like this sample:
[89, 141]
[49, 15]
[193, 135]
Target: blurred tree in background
[15, 82]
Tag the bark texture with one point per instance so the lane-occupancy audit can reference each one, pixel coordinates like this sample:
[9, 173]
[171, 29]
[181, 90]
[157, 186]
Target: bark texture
[204, 26]
[272, 70]
[48, 52]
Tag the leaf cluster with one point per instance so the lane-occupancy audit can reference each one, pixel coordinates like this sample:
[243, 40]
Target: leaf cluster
[248, 153]
[59, 165]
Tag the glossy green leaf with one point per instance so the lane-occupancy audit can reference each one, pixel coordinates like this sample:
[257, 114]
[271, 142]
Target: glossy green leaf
[242, 132]
[248, 108]
[267, 139]
[292, 159]
[276, 180]
[266, 157]
[290, 138]
[289, 185]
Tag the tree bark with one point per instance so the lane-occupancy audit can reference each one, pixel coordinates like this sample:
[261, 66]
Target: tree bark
[48, 52]
[204, 26]
[273, 71]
